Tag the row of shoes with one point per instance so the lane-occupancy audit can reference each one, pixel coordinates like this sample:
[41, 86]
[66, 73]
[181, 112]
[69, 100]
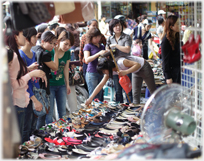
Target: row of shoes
[63, 138]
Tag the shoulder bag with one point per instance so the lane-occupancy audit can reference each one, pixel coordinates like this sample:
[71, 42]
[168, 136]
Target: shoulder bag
[42, 97]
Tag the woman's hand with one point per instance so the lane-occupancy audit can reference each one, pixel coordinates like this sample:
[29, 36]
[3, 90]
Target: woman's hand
[37, 105]
[33, 66]
[122, 72]
[102, 52]
[113, 45]
[155, 56]
[88, 101]
[68, 90]
[40, 74]
[169, 81]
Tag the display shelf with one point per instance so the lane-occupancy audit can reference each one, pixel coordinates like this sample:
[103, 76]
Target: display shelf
[190, 15]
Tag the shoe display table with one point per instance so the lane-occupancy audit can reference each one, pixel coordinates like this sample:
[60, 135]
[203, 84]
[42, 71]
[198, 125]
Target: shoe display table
[93, 132]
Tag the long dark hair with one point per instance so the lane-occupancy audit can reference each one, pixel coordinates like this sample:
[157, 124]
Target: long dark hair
[62, 34]
[48, 36]
[11, 42]
[29, 32]
[105, 64]
[41, 29]
[171, 20]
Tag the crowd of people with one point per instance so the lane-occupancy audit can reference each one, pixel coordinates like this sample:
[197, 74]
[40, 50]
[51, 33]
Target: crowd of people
[39, 57]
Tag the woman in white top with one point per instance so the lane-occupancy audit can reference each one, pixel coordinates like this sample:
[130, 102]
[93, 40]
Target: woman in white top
[139, 67]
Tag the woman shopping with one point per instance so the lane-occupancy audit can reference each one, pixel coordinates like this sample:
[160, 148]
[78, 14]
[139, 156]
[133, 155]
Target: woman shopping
[142, 32]
[19, 74]
[139, 67]
[170, 47]
[59, 83]
[121, 44]
[43, 55]
[92, 50]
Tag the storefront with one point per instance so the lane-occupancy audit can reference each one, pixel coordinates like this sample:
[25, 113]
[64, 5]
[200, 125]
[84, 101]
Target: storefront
[111, 9]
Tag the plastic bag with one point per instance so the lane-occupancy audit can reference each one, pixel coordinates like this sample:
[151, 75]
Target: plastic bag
[136, 50]
[125, 83]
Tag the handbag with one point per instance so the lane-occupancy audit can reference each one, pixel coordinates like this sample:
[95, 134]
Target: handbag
[17, 11]
[38, 12]
[75, 77]
[84, 11]
[64, 7]
[42, 97]
[74, 16]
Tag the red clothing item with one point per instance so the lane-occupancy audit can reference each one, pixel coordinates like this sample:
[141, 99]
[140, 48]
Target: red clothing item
[82, 44]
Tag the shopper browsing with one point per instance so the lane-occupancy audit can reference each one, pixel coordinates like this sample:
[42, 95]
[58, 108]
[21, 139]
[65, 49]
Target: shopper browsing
[170, 48]
[29, 58]
[139, 67]
[19, 75]
[92, 50]
[120, 43]
[48, 42]
[59, 83]
[142, 32]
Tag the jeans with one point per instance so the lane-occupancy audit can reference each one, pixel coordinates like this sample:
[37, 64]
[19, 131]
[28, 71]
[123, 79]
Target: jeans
[29, 123]
[40, 122]
[92, 80]
[119, 89]
[146, 74]
[130, 93]
[84, 69]
[84, 74]
[58, 93]
[20, 117]
[145, 50]
[72, 53]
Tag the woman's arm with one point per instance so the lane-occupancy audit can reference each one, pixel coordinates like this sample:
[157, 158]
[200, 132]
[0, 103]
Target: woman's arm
[97, 89]
[161, 35]
[152, 48]
[66, 76]
[132, 65]
[37, 105]
[166, 54]
[89, 58]
[53, 64]
[23, 81]
[125, 49]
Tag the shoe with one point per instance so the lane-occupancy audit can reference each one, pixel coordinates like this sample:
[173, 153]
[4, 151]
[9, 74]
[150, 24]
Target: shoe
[84, 147]
[188, 43]
[133, 119]
[80, 151]
[110, 132]
[40, 133]
[194, 53]
[49, 156]
[23, 150]
[71, 141]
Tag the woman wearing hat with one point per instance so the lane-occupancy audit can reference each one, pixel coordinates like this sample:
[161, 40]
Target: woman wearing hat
[142, 32]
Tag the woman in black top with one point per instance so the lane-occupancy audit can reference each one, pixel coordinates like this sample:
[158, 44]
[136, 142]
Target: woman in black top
[170, 47]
